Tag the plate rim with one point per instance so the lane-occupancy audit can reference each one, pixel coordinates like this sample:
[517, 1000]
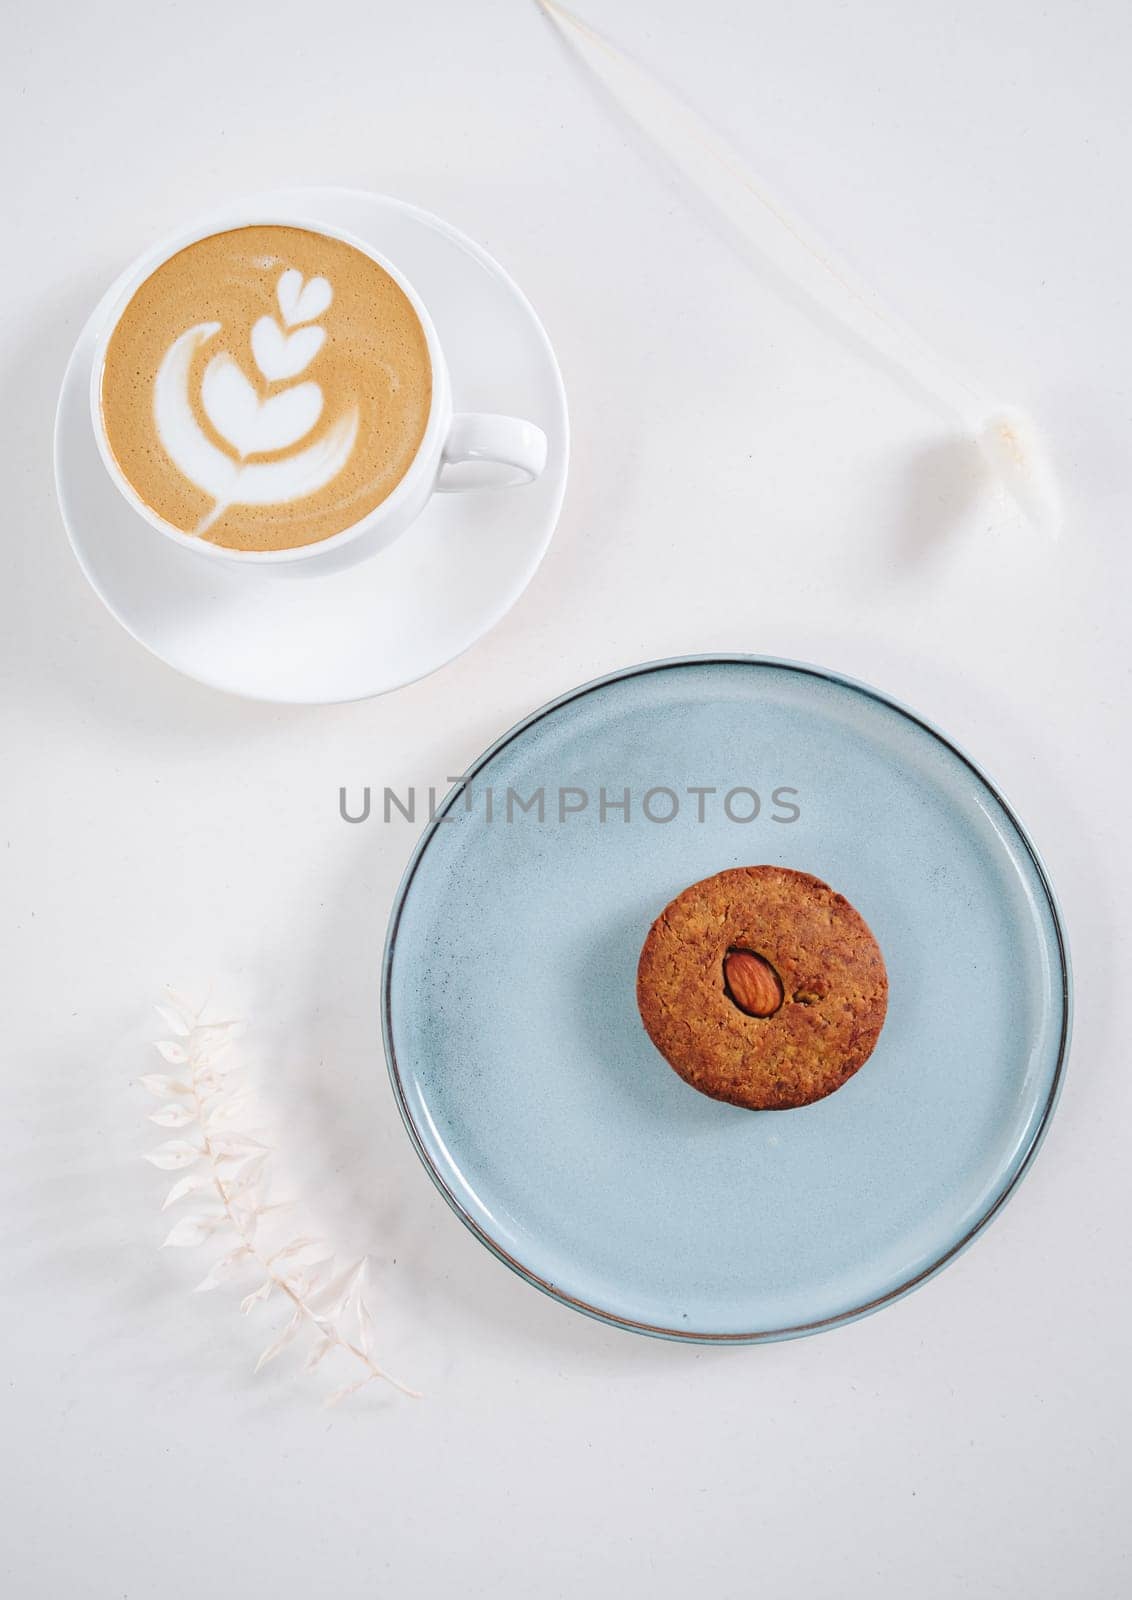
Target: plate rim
[795, 1330]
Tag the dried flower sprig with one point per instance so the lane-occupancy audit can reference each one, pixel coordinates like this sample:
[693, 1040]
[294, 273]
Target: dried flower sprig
[228, 1168]
[1005, 435]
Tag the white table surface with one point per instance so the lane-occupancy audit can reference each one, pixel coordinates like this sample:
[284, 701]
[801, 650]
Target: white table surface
[741, 480]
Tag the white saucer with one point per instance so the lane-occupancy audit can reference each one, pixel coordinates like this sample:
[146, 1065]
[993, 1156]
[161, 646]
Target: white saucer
[405, 612]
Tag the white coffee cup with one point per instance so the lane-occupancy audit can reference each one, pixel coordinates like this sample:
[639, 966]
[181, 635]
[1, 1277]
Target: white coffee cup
[459, 450]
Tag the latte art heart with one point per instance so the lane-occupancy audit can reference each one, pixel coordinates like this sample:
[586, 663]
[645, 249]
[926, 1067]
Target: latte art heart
[280, 355]
[251, 425]
[301, 302]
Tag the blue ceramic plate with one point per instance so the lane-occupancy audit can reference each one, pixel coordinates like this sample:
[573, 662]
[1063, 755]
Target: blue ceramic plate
[538, 1103]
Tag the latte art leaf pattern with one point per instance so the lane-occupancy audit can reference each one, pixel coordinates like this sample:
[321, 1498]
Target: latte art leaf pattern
[266, 387]
[251, 423]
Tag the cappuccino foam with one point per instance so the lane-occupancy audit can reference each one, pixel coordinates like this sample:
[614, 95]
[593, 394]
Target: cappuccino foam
[266, 387]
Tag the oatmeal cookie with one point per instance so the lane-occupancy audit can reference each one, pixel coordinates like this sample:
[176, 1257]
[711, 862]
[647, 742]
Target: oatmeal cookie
[762, 987]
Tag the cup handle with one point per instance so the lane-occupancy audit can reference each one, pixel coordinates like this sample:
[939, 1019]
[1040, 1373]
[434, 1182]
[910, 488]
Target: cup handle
[485, 451]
